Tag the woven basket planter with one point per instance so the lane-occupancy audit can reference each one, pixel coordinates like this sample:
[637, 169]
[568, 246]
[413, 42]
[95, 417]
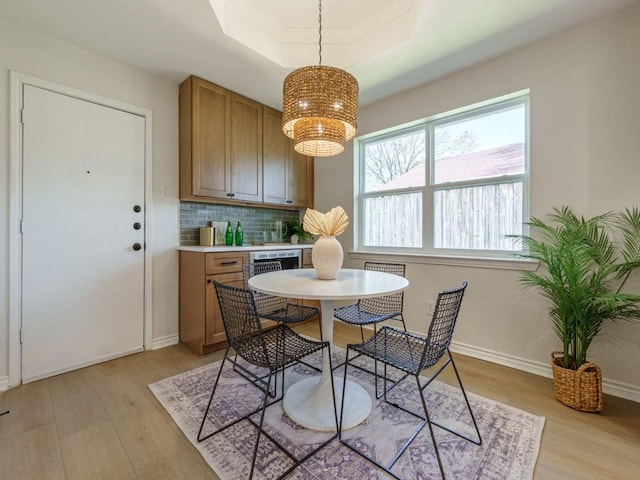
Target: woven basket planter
[580, 389]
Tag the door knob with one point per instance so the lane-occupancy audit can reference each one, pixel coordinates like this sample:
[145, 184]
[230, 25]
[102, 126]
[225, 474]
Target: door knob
[137, 246]
[137, 226]
[137, 208]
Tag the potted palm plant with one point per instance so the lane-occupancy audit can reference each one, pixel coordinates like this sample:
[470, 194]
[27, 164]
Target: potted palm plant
[585, 265]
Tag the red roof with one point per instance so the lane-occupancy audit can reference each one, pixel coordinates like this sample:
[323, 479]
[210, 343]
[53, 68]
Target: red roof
[495, 162]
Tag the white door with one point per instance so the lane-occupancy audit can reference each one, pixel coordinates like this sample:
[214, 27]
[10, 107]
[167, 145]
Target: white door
[83, 282]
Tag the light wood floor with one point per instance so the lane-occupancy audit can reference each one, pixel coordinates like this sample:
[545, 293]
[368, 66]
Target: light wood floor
[102, 422]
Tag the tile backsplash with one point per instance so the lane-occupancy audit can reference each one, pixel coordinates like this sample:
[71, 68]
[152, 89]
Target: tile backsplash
[254, 220]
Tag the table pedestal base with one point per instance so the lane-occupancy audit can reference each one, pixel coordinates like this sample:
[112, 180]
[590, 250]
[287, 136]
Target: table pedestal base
[309, 403]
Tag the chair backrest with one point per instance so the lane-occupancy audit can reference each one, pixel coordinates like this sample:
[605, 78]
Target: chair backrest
[251, 269]
[242, 323]
[265, 304]
[389, 303]
[442, 324]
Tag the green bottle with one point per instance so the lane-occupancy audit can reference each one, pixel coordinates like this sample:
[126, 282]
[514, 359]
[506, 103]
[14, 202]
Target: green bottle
[239, 236]
[228, 236]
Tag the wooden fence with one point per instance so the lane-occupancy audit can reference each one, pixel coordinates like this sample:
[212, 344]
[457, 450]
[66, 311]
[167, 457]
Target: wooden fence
[469, 218]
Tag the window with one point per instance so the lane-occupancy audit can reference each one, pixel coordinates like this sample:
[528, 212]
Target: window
[452, 185]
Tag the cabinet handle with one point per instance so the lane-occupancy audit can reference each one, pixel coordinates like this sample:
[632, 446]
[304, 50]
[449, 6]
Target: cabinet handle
[209, 281]
[289, 201]
[229, 263]
[137, 226]
[231, 195]
[137, 246]
[137, 208]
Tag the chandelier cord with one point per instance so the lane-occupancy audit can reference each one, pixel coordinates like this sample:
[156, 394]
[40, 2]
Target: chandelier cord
[320, 32]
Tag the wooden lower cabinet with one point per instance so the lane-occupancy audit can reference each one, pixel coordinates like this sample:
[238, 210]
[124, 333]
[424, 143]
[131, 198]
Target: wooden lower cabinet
[201, 327]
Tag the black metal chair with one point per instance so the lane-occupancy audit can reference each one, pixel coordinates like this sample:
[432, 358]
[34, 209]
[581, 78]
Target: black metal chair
[274, 308]
[374, 310]
[274, 349]
[277, 309]
[413, 354]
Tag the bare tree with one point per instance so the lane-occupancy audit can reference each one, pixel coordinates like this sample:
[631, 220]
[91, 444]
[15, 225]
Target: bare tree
[387, 160]
[448, 145]
[390, 159]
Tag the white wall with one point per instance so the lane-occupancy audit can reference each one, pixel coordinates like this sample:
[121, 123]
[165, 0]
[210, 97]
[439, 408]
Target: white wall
[585, 152]
[42, 56]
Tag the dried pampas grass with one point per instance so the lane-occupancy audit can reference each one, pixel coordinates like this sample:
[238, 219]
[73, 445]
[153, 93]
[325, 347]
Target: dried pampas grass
[332, 223]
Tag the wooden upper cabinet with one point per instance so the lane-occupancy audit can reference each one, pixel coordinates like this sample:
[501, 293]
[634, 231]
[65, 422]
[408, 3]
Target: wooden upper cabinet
[288, 175]
[300, 178]
[246, 149]
[275, 160]
[205, 140]
[232, 149]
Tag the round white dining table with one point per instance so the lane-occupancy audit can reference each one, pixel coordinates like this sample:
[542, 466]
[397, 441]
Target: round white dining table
[308, 402]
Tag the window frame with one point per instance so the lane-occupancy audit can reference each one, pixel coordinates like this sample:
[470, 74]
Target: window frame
[429, 189]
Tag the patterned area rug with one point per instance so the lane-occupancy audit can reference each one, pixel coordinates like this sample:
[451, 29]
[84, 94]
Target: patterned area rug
[511, 437]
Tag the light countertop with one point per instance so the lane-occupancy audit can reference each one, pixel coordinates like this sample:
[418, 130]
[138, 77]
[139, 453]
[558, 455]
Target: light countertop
[245, 248]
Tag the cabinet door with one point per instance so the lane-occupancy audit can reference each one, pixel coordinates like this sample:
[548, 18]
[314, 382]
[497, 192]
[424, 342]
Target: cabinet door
[288, 175]
[300, 179]
[275, 158]
[210, 140]
[246, 149]
[214, 327]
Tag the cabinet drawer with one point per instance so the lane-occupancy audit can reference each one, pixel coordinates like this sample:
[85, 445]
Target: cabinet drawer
[226, 262]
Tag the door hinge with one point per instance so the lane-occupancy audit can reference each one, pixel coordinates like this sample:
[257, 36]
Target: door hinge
[21, 336]
[22, 116]
[21, 225]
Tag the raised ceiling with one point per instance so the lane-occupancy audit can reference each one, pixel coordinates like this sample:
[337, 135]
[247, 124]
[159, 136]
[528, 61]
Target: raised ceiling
[250, 45]
[286, 31]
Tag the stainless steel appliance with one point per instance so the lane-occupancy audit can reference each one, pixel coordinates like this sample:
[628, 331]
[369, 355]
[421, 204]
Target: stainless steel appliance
[288, 258]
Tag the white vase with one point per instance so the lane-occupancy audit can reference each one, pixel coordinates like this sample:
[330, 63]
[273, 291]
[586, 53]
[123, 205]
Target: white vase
[294, 239]
[326, 256]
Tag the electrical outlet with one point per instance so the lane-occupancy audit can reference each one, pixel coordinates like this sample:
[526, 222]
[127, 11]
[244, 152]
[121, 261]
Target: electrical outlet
[431, 305]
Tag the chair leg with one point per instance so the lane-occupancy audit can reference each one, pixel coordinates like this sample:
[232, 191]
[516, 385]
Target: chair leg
[428, 420]
[404, 325]
[385, 377]
[375, 371]
[422, 387]
[333, 391]
[213, 391]
[264, 408]
[464, 394]
[201, 438]
[344, 389]
[425, 419]
[386, 468]
[250, 376]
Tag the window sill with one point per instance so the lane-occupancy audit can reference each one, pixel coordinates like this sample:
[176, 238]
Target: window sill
[454, 261]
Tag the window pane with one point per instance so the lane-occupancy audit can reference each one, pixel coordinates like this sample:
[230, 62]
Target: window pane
[478, 218]
[393, 221]
[481, 146]
[396, 162]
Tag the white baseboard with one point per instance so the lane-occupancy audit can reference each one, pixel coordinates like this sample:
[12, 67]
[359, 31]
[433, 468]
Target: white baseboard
[164, 341]
[611, 387]
[157, 343]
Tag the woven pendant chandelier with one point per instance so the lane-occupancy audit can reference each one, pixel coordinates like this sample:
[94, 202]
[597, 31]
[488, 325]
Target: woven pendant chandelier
[320, 106]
